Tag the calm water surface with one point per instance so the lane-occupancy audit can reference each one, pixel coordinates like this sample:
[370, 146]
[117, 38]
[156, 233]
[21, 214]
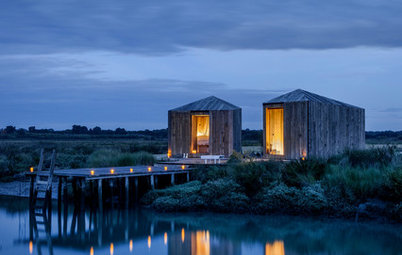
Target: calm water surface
[146, 232]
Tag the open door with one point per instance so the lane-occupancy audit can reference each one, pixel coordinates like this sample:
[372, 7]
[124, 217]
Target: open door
[200, 134]
[274, 131]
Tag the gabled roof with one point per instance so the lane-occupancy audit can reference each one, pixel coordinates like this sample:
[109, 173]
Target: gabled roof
[300, 95]
[207, 104]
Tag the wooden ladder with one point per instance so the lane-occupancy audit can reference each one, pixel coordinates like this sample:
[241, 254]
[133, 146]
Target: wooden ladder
[41, 202]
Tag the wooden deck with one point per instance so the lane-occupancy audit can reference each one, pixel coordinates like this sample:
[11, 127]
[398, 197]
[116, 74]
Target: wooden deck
[119, 172]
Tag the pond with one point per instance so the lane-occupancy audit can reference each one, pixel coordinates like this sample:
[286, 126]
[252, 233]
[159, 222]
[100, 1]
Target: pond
[142, 231]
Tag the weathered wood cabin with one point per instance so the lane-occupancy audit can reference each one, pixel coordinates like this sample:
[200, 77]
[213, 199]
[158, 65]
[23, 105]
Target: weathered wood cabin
[208, 126]
[302, 124]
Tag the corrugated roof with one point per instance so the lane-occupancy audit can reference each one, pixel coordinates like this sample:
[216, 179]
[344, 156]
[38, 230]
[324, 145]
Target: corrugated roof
[300, 95]
[207, 104]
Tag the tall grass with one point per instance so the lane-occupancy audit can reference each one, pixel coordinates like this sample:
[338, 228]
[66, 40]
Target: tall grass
[103, 158]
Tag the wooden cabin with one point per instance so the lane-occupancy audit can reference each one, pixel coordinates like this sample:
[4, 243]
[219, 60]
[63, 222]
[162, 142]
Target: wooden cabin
[302, 124]
[210, 126]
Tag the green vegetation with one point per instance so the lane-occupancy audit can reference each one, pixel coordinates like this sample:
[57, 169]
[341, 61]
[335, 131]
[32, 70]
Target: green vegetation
[17, 156]
[368, 182]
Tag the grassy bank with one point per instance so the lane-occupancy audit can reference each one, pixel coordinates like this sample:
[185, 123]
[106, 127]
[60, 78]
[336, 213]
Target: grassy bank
[366, 181]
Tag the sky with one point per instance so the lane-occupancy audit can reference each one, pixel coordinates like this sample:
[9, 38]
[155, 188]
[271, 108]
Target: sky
[126, 63]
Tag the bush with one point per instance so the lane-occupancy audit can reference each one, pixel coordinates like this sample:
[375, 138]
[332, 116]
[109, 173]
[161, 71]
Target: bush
[209, 173]
[137, 158]
[3, 166]
[303, 172]
[376, 157]
[102, 158]
[280, 198]
[358, 183]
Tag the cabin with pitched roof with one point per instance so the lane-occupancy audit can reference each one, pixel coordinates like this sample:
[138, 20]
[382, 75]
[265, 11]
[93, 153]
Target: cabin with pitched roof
[210, 126]
[302, 124]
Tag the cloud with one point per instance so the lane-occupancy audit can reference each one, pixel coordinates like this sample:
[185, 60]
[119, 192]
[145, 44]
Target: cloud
[165, 27]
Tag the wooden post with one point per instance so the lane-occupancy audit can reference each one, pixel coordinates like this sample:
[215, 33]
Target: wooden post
[100, 199]
[136, 188]
[156, 181]
[31, 190]
[65, 214]
[172, 179]
[59, 190]
[152, 181]
[127, 192]
[188, 176]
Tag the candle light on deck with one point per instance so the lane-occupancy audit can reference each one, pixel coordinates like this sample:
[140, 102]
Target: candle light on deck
[183, 167]
[111, 248]
[183, 235]
[165, 168]
[149, 169]
[112, 171]
[31, 169]
[92, 172]
[131, 170]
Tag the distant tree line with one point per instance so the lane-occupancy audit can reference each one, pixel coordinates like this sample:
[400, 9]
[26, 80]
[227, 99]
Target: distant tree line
[247, 134]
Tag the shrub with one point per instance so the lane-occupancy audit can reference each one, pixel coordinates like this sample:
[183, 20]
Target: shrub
[377, 157]
[3, 166]
[235, 158]
[303, 172]
[209, 173]
[137, 158]
[358, 182]
[279, 198]
[102, 158]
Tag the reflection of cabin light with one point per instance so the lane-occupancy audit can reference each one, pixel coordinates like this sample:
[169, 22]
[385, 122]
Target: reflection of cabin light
[165, 238]
[183, 167]
[202, 242]
[92, 172]
[30, 247]
[91, 251]
[194, 151]
[277, 248]
[149, 241]
[31, 169]
[131, 170]
[112, 171]
[183, 235]
[111, 248]
[149, 169]
[165, 168]
[131, 245]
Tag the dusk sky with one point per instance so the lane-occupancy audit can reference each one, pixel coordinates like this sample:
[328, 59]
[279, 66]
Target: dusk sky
[126, 63]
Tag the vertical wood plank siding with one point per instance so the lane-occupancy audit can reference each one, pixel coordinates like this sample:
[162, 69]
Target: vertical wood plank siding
[225, 131]
[319, 129]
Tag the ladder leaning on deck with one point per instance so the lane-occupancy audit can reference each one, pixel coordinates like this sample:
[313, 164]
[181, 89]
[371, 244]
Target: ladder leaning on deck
[41, 200]
[42, 190]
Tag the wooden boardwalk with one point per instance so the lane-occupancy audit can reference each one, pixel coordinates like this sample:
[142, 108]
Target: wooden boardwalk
[94, 180]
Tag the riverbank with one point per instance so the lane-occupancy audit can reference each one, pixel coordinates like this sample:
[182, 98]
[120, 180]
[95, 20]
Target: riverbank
[356, 184]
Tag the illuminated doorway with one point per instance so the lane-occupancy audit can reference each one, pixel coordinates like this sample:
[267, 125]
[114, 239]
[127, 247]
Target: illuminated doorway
[200, 134]
[274, 131]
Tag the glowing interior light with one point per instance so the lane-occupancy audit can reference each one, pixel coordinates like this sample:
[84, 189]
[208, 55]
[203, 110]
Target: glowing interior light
[92, 172]
[111, 248]
[30, 247]
[183, 167]
[91, 251]
[277, 247]
[194, 151]
[165, 238]
[165, 168]
[31, 169]
[149, 241]
[149, 169]
[183, 235]
[112, 171]
[131, 245]
[131, 170]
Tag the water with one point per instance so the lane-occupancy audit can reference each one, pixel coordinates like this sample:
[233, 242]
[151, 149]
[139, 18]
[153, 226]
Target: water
[147, 232]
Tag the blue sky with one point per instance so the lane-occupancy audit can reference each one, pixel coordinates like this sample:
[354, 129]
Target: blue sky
[126, 63]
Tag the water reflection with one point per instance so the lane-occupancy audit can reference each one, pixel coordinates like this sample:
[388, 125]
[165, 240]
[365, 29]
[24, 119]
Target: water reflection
[86, 231]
